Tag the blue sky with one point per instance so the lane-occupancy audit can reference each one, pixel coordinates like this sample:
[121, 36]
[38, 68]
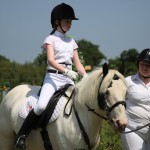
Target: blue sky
[114, 25]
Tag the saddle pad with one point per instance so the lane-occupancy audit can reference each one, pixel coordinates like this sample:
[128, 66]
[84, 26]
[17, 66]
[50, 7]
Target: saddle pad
[31, 102]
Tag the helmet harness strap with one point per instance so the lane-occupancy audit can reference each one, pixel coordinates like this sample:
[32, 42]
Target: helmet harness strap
[52, 32]
[59, 24]
[145, 76]
[55, 28]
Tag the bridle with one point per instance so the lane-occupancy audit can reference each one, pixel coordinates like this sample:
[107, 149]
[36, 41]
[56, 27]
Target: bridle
[105, 107]
[107, 110]
[103, 103]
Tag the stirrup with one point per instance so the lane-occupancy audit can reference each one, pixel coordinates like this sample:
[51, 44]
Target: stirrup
[20, 143]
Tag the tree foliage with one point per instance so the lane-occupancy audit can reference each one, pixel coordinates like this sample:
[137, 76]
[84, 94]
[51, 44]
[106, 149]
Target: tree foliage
[16, 74]
[41, 59]
[129, 58]
[110, 140]
[91, 53]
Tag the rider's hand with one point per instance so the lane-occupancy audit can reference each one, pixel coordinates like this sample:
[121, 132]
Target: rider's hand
[71, 74]
[85, 75]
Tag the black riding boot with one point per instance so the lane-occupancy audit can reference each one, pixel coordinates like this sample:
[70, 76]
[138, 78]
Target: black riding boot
[29, 123]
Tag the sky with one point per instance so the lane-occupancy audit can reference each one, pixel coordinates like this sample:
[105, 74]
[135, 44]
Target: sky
[113, 25]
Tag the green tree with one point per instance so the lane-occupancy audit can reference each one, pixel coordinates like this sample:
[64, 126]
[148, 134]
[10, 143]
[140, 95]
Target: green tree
[91, 53]
[41, 59]
[9, 72]
[129, 58]
[3, 58]
[109, 139]
[31, 74]
[16, 74]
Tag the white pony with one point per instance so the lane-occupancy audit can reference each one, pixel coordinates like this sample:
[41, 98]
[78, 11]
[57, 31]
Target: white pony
[99, 95]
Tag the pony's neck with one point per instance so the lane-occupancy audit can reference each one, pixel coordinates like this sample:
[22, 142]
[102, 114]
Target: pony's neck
[89, 120]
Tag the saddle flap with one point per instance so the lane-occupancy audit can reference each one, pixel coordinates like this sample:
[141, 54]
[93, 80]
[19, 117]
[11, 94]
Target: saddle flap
[47, 114]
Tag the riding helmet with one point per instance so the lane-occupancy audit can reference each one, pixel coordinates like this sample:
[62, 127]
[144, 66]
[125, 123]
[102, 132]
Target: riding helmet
[144, 56]
[62, 11]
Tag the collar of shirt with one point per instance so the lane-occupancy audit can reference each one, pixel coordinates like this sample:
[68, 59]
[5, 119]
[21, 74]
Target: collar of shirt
[136, 77]
[59, 34]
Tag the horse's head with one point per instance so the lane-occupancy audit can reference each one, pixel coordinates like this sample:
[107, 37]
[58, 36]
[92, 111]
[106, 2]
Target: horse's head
[111, 97]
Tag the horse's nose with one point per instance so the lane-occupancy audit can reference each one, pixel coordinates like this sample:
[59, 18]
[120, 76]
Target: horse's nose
[122, 124]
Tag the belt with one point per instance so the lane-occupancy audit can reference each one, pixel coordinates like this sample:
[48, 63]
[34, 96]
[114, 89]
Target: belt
[65, 64]
[54, 71]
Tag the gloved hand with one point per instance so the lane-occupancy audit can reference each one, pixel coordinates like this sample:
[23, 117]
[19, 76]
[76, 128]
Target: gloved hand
[71, 74]
[85, 75]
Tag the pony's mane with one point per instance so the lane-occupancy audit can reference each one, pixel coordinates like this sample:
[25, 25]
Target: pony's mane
[88, 87]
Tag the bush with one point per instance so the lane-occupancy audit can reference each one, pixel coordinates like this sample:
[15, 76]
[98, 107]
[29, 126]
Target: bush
[110, 140]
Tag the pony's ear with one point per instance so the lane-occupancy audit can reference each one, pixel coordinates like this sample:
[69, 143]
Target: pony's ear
[105, 69]
[122, 68]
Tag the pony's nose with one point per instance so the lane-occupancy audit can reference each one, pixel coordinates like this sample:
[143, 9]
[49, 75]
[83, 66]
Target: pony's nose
[122, 124]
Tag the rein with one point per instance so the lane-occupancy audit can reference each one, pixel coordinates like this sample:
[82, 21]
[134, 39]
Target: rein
[148, 124]
[109, 110]
[85, 136]
[93, 111]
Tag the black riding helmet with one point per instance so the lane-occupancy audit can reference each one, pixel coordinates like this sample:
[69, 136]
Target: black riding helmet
[144, 56]
[62, 11]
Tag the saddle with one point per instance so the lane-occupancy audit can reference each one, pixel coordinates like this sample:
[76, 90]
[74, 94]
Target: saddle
[59, 101]
[47, 113]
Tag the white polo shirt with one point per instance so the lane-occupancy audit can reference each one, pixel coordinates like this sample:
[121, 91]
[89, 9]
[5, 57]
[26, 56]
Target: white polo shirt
[138, 100]
[63, 48]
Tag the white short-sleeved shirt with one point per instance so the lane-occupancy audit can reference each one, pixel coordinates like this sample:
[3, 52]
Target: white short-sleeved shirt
[63, 47]
[138, 99]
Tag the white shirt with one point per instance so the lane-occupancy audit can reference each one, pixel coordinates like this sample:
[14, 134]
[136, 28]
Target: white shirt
[138, 99]
[63, 47]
